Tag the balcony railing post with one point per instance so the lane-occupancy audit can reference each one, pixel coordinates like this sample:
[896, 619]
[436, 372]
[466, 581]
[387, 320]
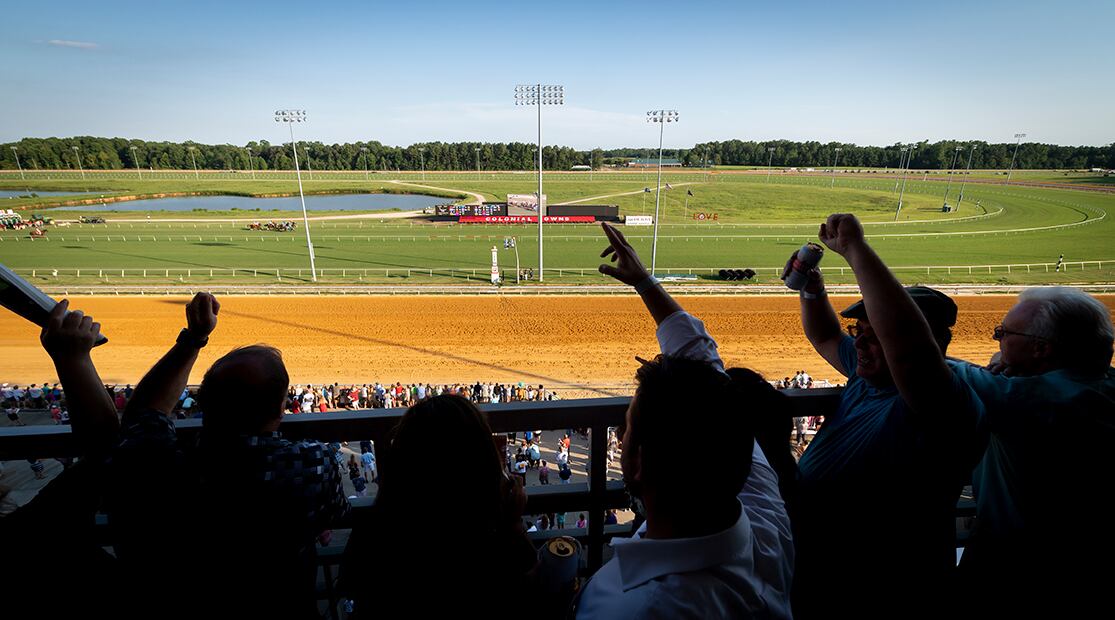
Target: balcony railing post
[597, 478]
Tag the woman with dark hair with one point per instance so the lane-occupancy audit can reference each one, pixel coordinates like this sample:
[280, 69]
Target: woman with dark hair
[404, 543]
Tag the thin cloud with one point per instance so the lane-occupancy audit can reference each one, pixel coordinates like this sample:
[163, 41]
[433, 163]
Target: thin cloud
[78, 44]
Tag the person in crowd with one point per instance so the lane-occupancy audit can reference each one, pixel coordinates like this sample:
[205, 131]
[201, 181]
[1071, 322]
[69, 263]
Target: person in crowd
[582, 523]
[255, 503]
[559, 520]
[873, 501]
[544, 473]
[493, 570]
[610, 517]
[564, 473]
[1041, 522]
[368, 461]
[716, 542]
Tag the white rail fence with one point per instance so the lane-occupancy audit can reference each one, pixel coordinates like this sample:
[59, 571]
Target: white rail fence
[483, 273]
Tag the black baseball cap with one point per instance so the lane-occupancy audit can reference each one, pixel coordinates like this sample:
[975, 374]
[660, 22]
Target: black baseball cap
[938, 309]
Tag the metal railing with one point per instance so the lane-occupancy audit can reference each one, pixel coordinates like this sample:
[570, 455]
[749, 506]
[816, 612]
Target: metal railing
[596, 414]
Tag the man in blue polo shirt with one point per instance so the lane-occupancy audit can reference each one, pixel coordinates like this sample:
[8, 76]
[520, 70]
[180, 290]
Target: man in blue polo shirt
[1043, 522]
[874, 500]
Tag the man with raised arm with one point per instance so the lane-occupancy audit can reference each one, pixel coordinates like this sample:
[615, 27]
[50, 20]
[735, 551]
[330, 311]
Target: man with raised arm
[53, 537]
[874, 504]
[716, 541]
[237, 517]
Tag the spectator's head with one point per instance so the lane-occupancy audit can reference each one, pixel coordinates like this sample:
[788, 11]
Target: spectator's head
[677, 404]
[243, 393]
[1056, 327]
[475, 479]
[937, 308]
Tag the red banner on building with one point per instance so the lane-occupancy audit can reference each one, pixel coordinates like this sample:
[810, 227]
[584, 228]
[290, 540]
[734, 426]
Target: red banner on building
[526, 219]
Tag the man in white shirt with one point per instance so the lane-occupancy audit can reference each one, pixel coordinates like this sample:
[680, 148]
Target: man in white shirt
[716, 542]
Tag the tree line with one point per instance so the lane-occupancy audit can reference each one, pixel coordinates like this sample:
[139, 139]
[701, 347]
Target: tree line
[96, 153]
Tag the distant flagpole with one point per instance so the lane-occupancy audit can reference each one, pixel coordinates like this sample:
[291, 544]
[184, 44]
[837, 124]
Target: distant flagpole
[685, 214]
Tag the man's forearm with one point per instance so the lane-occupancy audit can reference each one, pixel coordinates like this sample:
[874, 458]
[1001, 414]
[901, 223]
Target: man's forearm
[818, 318]
[917, 365]
[92, 412]
[660, 304]
[163, 384]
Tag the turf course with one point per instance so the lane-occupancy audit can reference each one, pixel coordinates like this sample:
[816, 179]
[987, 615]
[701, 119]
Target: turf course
[759, 223]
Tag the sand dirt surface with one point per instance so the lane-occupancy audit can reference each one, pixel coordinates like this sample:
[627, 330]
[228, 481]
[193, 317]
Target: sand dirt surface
[584, 345]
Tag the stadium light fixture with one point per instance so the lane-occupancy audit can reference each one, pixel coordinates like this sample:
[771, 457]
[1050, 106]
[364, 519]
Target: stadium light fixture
[540, 95]
[1018, 142]
[77, 156]
[290, 117]
[955, 154]
[770, 160]
[967, 171]
[661, 117]
[191, 149]
[135, 159]
[835, 159]
[15, 153]
[364, 152]
[910, 157]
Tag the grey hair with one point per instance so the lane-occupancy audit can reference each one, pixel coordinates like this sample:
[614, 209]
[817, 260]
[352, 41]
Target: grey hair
[1078, 325]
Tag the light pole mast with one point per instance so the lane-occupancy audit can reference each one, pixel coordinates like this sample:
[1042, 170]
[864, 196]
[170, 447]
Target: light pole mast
[422, 158]
[835, 159]
[477, 163]
[364, 152]
[661, 117]
[967, 171]
[1018, 142]
[290, 117]
[540, 95]
[77, 156]
[135, 159]
[904, 170]
[15, 152]
[191, 149]
[250, 166]
[770, 160]
[955, 154]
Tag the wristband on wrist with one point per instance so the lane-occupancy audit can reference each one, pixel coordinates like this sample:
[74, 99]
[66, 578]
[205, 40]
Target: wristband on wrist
[648, 283]
[187, 338]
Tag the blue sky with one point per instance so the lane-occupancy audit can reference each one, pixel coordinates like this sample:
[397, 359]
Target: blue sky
[869, 73]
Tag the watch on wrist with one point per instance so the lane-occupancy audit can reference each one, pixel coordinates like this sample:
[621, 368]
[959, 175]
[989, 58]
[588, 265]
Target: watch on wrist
[646, 284]
[187, 338]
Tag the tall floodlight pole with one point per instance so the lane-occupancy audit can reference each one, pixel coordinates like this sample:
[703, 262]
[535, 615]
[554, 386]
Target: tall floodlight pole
[251, 167]
[955, 154]
[77, 156]
[139, 171]
[15, 153]
[770, 160]
[290, 117]
[422, 158]
[967, 171]
[661, 117]
[904, 171]
[540, 95]
[309, 164]
[364, 152]
[835, 159]
[477, 163]
[1018, 142]
[193, 159]
[900, 168]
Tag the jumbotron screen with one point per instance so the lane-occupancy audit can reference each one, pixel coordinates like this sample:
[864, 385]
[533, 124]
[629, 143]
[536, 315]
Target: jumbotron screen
[483, 210]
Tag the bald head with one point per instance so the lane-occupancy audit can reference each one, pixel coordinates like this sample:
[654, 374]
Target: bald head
[243, 392]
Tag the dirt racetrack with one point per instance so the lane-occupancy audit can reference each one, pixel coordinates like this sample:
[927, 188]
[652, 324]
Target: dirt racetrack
[579, 345]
